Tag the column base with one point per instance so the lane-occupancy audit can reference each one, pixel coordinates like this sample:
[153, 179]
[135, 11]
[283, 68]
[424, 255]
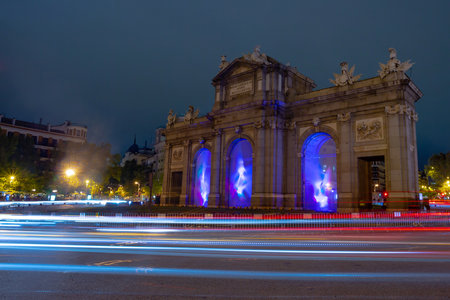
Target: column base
[213, 200]
[273, 200]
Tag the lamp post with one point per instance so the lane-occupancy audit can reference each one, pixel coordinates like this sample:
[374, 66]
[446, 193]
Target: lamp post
[110, 192]
[139, 189]
[87, 181]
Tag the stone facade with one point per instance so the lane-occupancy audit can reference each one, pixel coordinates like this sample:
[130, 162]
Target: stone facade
[274, 108]
[46, 137]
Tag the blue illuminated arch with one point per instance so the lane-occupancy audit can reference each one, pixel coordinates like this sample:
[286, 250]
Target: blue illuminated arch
[319, 173]
[202, 177]
[240, 173]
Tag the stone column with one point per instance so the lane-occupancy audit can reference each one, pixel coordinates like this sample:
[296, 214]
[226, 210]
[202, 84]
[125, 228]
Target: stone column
[278, 158]
[263, 83]
[166, 177]
[416, 162]
[346, 200]
[290, 167]
[397, 164]
[187, 174]
[222, 97]
[258, 166]
[216, 157]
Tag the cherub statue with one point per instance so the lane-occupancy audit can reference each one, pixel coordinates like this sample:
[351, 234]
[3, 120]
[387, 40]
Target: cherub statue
[393, 65]
[223, 62]
[171, 119]
[257, 56]
[190, 114]
[346, 77]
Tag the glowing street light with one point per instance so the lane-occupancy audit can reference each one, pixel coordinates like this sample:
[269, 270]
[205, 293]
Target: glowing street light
[11, 179]
[70, 172]
[139, 187]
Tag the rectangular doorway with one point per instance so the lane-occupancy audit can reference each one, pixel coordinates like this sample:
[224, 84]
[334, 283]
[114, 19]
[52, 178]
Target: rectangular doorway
[372, 182]
[175, 187]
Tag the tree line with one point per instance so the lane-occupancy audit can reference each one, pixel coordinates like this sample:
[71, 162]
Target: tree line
[93, 170]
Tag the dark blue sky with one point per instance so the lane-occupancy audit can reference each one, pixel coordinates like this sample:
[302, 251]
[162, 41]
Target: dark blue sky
[119, 66]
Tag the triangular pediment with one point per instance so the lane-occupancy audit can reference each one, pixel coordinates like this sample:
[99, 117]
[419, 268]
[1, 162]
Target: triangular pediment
[236, 67]
[240, 69]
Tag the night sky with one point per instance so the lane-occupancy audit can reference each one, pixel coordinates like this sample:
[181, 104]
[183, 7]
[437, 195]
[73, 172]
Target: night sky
[119, 66]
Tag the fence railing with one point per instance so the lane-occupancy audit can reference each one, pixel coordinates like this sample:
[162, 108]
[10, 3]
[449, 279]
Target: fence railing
[343, 221]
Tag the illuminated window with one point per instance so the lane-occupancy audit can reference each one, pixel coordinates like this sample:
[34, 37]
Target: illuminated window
[319, 173]
[202, 175]
[240, 174]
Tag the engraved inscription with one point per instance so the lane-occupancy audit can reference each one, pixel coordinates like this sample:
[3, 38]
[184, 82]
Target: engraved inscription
[244, 87]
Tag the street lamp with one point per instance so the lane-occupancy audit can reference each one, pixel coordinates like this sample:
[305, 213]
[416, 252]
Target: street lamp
[139, 188]
[70, 172]
[11, 179]
[110, 191]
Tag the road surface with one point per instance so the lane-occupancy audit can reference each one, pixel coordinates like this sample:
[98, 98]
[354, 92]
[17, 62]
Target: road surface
[67, 262]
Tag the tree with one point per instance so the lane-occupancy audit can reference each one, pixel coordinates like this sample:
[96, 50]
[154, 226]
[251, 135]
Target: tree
[19, 162]
[131, 173]
[437, 174]
[90, 163]
[113, 173]
[438, 168]
[157, 183]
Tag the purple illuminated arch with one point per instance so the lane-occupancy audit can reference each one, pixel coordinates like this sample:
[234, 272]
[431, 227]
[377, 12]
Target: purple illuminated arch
[202, 176]
[319, 173]
[240, 174]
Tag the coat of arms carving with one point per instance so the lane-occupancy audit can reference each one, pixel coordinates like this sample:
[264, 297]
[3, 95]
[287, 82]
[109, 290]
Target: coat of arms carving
[369, 129]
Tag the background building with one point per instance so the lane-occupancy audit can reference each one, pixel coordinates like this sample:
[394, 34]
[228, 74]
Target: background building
[46, 137]
[152, 158]
[138, 154]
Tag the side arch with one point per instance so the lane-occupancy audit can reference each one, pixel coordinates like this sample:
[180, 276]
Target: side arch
[201, 177]
[319, 173]
[235, 137]
[321, 128]
[239, 173]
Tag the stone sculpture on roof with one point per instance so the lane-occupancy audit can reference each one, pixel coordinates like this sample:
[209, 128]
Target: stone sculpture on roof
[257, 56]
[346, 77]
[223, 62]
[171, 119]
[190, 115]
[393, 65]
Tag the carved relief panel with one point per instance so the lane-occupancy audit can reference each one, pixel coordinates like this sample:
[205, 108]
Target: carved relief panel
[369, 129]
[177, 154]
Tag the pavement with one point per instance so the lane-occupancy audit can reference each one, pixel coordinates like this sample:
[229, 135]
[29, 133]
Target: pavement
[59, 260]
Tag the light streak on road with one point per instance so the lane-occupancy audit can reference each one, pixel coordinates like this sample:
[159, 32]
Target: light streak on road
[202, 249]
[443, 220]
[63, 202]
[202, 273]
[137, 230]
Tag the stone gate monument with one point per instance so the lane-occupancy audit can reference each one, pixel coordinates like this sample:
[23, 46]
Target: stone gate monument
[270, 140]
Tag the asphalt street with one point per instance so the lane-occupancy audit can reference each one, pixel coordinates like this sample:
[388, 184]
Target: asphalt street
[60, 261]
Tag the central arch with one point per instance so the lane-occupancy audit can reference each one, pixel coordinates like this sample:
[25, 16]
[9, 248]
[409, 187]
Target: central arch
[240, 173]
[319, 173]
[202, 177]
